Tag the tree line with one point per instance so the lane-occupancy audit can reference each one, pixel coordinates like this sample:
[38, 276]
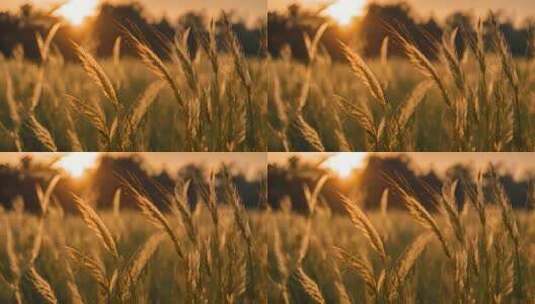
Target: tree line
[286, 184]
[367, 33]
[18, 30]
[19, 182]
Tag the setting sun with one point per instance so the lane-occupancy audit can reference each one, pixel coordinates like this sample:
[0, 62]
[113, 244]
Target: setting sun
[76, 164]
[344, 163]
[343, 11]
[76, 11]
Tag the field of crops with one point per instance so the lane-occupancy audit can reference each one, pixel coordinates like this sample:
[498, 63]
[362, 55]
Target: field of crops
[225, 254]
[213, 102]
[480, 100]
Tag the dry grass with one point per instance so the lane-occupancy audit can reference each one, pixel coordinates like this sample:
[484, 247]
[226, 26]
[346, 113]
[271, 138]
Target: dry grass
[215, 101]
[481, 100]
[220, 252]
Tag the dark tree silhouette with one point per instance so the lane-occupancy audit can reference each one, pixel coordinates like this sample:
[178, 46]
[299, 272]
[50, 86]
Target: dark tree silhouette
[288, 181]
[100, 184]
[103, 29]
[380, 21]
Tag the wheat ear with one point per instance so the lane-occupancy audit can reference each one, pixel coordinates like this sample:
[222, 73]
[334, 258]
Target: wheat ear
[362, 223]
[96, 72]
[95, 223]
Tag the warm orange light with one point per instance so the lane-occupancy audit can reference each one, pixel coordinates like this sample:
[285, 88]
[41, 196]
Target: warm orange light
[76, 164]
[76, 11]
[343, 11]
[344, 163]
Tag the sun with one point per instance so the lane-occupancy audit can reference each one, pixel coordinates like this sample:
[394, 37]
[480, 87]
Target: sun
[76, 11]
[343, 11]
[344, 163]
[76, 164]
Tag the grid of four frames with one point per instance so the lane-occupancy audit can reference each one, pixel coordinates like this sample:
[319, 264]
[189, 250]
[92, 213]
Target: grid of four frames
[279, 151]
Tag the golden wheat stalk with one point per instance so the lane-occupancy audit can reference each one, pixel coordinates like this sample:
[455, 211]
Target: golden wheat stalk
[181, 208]
[424, 65]
[92, 265]
[312, 45]
[93, 113]
[341, 291]
[384, 202]
[384, 51]
[41, 133]
[42, 286]
[241, 67]
[135, 266]
[361, 265]
[366, 75]
[311, 136]
[278, 106]
[117, 51]
[312, 197]
[44, 197]
[95, 223]
[97, 73]
[181, 55]
[416, 96]
[309, 286]
[362, 223]
[408, 258]
[510, 71]
[233, 45]
[44, 46]
[72, 136]
[143, 103]
[37, 242]
[74, 292]
[361, 113]
[449, 57]
[156, 66]
[209, 196]
[240, 217]
[37, 90]
[156, 217]
[449, 207]
[117, 203]
[422, 216]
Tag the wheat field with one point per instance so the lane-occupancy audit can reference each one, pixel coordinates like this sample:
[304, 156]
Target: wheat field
[477, 100]
[214, 101]
[221, 253]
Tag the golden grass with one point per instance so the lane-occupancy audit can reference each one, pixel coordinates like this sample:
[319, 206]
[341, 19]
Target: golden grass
[125, 108]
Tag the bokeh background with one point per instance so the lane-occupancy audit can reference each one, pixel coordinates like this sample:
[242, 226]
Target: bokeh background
[97, 176]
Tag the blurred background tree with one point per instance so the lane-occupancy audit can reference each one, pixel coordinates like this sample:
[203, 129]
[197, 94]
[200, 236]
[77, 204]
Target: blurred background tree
[111, 173]
[286, 183]
[367, 32]
[100, 32]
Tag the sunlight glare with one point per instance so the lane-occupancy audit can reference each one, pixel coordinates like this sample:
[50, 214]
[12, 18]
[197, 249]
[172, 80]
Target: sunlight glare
[76, 164]
[344, 163]
[343, 11]
[76, 11]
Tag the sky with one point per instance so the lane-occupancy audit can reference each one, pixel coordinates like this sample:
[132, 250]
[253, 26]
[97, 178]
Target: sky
[517, 9]
[249, 9]
[516, 162]
[248, 163]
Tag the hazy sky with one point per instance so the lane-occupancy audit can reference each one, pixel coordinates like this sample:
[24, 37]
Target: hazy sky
[440, 8]
[249, 163]
[172, 8]
[440, 161]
